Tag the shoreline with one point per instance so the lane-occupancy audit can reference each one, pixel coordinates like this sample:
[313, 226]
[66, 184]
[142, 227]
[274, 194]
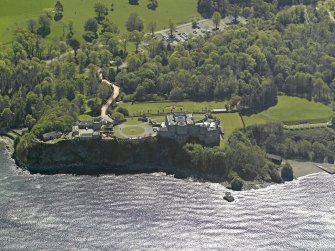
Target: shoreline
[304, 168]
[300, 169]
[9, 145]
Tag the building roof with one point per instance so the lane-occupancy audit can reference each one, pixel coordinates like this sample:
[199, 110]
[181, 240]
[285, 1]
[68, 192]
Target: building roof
[51, 134]
[86, 132]
[85, 123]
[219, 110]
[179, 118]
[273, 156]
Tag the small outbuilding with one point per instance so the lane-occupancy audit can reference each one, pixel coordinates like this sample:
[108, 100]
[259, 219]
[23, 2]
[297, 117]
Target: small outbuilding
[52, 135]
[224, 110]
[274, 158]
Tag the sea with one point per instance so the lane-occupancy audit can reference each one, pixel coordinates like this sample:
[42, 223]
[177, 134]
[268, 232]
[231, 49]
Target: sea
[159, 212]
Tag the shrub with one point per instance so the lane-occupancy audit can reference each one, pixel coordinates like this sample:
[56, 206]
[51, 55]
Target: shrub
[122, 110]
[287, 172]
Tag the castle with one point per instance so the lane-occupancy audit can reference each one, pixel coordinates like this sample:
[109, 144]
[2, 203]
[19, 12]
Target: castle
[181, 127]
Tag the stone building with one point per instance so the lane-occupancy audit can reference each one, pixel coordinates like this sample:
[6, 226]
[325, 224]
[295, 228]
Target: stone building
[181, 127]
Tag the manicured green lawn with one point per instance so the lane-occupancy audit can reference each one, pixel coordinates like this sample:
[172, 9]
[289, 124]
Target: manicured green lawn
[133, 121]
[133, 130]
[292, 110]
[231, 122]
[14, 13]
[155, 107]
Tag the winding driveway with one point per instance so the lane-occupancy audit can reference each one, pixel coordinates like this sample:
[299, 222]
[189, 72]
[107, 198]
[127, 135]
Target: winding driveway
[115, 94]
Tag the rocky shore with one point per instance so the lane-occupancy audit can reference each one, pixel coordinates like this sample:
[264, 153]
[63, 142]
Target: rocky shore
[9, 144]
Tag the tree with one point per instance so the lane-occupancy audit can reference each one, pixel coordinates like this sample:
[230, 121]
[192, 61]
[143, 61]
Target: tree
[172, 27]
[82, 61]
[109, 26]
[91, 25]
[30, 121]
[118, 63]
[44, 28]
[89, 36]
[32, 25]
[134, 22]
[287, 172]
[59, 7]
[118, 117]
[75, 45]
[194, 22]
[152, 27]
[152, 5]
[216, 18]
[70, 28]
[94, 104]
[124, 40]
[137, 37]
[7, 118]
[123, 110]
[58, 11]
[101, 11]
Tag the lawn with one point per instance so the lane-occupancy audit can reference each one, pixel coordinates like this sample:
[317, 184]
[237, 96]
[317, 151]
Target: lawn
[133, 121]
[231, 122]
[14, 13]
[85, 117]
[292, 110]
[166, 107]
[133, 130]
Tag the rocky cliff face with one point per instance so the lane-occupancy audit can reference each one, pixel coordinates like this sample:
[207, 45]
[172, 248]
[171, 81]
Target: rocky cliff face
[104, 156]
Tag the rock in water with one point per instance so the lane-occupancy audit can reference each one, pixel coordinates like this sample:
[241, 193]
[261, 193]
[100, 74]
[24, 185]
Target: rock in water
[228, 197]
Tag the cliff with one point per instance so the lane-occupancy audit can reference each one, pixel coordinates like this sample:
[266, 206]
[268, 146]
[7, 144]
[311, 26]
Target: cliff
[105, 156]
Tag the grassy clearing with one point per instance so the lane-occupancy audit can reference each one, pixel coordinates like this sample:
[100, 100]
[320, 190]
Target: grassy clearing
[292, 110]
[231, 122]
[15, 13]
[180, 11]
[166, 107]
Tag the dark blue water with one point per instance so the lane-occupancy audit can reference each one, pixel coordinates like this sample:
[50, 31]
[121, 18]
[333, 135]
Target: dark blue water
[155, 211]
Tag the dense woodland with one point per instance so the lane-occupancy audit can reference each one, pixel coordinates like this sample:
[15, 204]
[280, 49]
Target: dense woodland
[314, 144]
[287, 46]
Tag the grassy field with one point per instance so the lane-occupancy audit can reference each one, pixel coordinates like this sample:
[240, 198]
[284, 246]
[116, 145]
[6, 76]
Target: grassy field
[15, 13]
[133, 130]
[231, 122]
[155, 107]
[292, 110]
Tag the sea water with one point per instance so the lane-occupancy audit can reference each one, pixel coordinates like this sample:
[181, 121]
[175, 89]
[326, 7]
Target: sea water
[158, 212]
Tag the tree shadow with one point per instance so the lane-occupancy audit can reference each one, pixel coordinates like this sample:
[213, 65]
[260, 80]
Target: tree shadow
[58, 17]
[133, 2]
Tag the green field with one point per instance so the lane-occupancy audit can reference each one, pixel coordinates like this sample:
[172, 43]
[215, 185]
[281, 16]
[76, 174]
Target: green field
[166, 107]
[292, 110]
[231, 122]
[133, 130]
[15, 13]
